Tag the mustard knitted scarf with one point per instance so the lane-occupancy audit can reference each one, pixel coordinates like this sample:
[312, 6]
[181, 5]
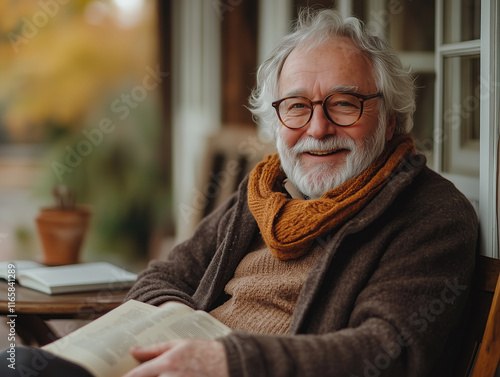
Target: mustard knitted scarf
[290, 226]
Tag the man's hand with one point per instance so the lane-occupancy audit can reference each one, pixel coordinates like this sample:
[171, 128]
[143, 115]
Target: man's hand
[182, 357]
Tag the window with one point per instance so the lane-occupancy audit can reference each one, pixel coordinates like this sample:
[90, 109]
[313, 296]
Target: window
[466, 117]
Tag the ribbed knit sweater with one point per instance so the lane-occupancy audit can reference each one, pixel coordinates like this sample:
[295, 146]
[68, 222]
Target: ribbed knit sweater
[264, 291]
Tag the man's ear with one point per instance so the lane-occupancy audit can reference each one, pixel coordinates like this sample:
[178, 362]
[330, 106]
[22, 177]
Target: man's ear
[391, 126]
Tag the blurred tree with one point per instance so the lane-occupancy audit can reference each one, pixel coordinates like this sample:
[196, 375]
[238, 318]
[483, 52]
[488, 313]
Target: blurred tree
[82, 78]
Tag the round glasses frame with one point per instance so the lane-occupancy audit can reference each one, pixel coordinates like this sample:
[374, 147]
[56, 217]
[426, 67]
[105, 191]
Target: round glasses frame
[362, 98]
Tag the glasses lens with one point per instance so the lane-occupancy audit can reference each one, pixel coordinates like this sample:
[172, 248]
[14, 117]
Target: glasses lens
[295, 112]
[343, 109]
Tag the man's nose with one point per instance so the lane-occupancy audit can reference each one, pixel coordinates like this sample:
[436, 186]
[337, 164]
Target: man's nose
[319, 126]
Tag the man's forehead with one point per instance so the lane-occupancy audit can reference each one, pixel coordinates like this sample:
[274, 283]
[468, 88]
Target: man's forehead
[343, 47]
[334, 88]
[336, 54]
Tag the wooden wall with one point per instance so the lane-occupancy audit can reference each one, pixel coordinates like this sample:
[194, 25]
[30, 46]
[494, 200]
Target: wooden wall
[239, 37]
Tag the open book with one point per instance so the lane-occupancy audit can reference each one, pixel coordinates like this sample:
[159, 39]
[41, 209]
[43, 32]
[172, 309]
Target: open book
[67, 279]
[103, 346]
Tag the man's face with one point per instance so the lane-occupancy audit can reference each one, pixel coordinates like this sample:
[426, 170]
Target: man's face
[322, 155]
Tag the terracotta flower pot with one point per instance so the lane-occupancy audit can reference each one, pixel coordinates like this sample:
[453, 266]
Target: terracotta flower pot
[62, 232]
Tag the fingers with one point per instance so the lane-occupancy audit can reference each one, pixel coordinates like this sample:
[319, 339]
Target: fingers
[149, 352]
[148, 369]
[145, 355]
[182, 357]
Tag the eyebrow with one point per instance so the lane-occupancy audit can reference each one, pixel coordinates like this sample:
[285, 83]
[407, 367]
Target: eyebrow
[294, 92]
[333, 89]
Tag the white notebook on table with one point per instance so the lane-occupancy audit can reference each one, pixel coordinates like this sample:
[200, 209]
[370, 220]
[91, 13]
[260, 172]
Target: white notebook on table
[73, 278]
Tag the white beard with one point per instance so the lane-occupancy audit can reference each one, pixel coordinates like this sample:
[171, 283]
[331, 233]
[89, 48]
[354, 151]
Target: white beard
[325, 176]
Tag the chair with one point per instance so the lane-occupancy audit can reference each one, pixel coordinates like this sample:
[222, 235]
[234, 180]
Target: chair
[229, 156]
[479, 354]
[488, 358]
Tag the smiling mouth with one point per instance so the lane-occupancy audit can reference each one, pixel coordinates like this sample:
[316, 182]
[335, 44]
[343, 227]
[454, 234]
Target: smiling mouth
[325, 153]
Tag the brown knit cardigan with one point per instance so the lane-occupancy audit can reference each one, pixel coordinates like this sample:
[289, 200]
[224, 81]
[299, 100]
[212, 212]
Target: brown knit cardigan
[383, 300]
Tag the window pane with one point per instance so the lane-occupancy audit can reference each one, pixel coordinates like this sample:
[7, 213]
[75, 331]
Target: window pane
[461, 115]
[462, 20]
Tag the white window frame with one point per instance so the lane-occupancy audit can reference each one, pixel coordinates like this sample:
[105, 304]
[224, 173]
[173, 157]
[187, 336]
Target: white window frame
[274, 23]
[196, 88]
[481, 191]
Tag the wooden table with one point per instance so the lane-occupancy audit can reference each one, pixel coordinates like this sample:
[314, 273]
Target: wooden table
[33, 308]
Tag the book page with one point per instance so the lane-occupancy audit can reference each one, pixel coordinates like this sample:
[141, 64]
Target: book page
[103, 346]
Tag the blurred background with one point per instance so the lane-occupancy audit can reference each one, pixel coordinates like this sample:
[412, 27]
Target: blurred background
[81, 106]
[120, 100]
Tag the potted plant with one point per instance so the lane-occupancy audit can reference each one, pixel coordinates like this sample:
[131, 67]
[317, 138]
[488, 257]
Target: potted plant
[62, 228]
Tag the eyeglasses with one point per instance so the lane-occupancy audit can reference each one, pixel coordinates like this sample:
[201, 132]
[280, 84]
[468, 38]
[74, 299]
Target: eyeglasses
[342, 109]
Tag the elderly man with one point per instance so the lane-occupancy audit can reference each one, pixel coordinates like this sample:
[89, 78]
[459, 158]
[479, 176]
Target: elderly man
[343, 255]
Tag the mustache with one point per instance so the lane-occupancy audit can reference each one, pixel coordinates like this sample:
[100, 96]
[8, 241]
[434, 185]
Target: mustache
[326, 144]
